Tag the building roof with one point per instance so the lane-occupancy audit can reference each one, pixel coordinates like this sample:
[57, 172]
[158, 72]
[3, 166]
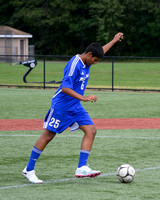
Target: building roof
[6, 31]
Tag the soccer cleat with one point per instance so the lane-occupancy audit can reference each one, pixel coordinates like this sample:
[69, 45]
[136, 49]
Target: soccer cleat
[31, 176]
[85, 171]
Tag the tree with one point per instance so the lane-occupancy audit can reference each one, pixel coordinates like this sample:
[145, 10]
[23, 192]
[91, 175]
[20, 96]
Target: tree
[141, 21]
[5, 8]
[46, 20]
[68, 27]
[106, 18]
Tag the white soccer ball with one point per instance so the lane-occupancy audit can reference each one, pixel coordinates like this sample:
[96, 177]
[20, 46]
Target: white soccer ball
[125, 173]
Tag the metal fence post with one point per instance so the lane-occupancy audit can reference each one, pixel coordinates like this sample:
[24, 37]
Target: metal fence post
[112, 75]
[44, 73]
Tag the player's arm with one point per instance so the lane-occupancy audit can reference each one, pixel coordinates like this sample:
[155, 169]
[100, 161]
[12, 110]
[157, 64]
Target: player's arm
[117, 37]
[74, 94]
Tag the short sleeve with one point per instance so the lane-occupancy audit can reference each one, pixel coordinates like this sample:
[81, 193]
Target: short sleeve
[70, 73]
[68, 82]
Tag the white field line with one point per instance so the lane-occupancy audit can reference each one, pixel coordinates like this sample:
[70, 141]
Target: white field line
[80, 136]
[71, 179]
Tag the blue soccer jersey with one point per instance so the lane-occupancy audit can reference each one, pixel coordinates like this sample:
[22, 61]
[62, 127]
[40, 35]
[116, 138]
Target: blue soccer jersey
[76, 75]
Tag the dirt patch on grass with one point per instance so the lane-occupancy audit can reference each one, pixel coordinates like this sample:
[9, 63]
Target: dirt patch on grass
[125, 123]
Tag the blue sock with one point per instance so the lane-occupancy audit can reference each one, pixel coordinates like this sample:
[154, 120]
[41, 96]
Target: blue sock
[83, 158]
[33, 158]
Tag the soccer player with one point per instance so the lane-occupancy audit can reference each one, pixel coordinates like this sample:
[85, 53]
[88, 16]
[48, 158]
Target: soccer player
[67, 111]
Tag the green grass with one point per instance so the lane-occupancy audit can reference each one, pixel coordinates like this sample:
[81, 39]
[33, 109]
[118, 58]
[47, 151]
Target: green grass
[57, 164]
[13, 75]
[139, 75]
[126, 75]
[34, 103]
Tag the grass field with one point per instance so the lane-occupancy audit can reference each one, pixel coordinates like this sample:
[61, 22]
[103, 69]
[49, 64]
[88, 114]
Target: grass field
[57, 164]
[33, 104]
[137, 75]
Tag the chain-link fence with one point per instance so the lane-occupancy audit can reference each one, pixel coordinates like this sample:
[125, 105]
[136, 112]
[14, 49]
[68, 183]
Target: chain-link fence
[112, 73]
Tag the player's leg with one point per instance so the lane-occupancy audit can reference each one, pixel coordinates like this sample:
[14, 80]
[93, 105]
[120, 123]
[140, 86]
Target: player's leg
[39, 146]
[54, 123]
[88, 138]
[44, 139]
[83, 170]
[41, 143]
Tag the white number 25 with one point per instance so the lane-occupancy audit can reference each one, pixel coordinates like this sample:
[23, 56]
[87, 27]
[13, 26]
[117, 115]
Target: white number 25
[54, 122]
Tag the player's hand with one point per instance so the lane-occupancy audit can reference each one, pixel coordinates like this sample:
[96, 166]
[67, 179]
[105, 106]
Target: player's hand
[118, 37]
[91, 98]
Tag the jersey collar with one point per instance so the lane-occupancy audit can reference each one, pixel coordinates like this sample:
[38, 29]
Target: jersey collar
[84, 66]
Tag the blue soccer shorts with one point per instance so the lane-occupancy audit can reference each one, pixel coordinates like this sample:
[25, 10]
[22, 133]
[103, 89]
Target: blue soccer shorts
[57, 121]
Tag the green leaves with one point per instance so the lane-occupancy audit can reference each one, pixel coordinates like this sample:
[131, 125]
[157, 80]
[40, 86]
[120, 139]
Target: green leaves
[68, 27]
